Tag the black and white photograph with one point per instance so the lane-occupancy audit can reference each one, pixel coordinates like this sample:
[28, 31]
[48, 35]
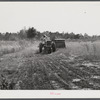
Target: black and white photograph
[50, 46]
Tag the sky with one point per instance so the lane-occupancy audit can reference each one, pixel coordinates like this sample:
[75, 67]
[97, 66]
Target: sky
[77, 17]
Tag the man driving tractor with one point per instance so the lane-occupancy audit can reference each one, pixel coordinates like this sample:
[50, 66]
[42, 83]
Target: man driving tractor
[44, 38]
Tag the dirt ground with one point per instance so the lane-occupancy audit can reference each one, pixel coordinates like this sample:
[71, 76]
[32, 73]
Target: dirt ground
[60, 70]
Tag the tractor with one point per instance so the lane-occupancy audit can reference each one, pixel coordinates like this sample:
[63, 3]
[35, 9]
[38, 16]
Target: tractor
[47, 47]
[51, 46]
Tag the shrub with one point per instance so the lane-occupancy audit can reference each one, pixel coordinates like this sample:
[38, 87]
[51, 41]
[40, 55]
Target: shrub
[31, 32]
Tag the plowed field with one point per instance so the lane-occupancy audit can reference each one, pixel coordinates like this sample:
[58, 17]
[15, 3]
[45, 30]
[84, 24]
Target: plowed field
[60, 70]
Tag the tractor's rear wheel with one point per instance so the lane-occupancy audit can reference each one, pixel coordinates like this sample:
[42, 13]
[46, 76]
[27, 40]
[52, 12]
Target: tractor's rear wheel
[53, 47]
[40, 47]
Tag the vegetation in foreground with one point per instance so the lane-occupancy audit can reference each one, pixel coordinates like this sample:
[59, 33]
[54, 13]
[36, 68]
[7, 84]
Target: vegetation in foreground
[75, 67]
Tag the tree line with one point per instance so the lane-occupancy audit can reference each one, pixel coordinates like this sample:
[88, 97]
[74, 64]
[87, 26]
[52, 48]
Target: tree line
[32, 33]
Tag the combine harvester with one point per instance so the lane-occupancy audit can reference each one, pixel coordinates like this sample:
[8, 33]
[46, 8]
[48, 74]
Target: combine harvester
[51, 46]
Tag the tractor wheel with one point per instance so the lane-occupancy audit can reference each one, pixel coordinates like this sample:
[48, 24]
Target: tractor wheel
[53, 47]
[40, 47]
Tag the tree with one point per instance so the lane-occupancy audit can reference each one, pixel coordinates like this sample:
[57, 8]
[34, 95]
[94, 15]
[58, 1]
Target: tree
[86, 36]
[31, 32]
[22, 34]
[66, 35]
[81, 36]
[7, 36]
[1, 36]
[38, 35]
[72, 35]
[52, 36]
[77, 36]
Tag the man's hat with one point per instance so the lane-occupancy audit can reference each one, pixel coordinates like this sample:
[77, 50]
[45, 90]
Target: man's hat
[44, 35]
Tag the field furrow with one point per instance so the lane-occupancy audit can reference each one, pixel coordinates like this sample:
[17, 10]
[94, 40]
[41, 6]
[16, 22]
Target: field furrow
[60, 70]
